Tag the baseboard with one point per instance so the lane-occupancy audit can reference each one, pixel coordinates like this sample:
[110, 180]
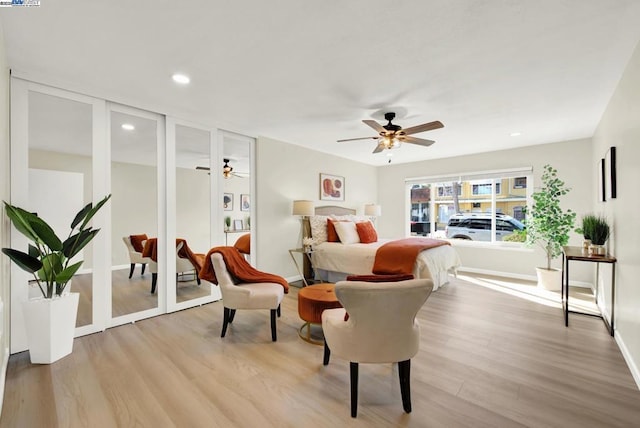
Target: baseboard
[628, 359]
[295, 278]
[523, 277]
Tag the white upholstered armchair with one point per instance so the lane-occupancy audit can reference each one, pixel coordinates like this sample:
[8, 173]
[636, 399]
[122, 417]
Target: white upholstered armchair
[135, 256]
[381, 328]
[183, 266]
[262, 295]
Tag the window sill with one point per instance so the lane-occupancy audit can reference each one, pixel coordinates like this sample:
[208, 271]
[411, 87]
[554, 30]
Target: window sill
[508, 246]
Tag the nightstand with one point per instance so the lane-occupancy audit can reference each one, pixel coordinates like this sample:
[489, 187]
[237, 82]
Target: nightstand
[295, 261]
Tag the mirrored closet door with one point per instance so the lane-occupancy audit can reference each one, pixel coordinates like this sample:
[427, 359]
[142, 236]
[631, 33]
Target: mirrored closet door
[192, 212]
[137, 241]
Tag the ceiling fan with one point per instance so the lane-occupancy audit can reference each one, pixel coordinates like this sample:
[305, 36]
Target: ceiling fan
[227, 170]
[391, 136]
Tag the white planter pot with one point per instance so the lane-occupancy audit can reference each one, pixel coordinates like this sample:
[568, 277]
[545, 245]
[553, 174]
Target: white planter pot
[50, 325]
[549, 279]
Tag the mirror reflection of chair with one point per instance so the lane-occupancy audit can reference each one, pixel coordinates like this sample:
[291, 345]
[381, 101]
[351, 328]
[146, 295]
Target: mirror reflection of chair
[381, 327]
[183, 267]
[261, 295]
[135, 256]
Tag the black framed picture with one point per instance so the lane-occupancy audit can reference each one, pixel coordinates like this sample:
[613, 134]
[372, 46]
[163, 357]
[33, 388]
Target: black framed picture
[602, 186]
[227, 201]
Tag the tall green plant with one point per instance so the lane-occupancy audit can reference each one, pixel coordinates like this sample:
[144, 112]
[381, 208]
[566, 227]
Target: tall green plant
[548, 225]
[49, 257]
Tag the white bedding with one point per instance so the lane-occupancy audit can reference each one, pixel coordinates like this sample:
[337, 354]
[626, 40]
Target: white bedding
[357, 259]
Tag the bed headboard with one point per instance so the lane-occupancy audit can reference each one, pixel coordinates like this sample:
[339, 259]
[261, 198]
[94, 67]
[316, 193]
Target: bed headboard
[325, 210]
[333, 209]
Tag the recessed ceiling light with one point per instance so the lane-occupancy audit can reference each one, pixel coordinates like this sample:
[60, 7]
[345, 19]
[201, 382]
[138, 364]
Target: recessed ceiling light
[128, 127]
[181, 78]
[515, 134]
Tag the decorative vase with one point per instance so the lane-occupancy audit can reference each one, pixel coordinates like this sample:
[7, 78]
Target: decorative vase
[50, 326]
[585, 245]
[549, 279]
[597, 250]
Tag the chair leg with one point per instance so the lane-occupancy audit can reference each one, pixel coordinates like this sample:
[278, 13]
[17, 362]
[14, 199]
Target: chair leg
[353, 370]
[225, 322]
[133, 266]
[327, 354]
[154, 282]
[278, 311]
[274, 336]
[144, 265]
[232, 315]
[404, 369]
[197, 278]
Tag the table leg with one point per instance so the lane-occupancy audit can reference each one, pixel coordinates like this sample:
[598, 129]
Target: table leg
[613, 294]
[565, 299]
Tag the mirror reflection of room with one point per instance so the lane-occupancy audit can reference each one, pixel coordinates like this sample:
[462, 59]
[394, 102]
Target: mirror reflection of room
[237, 191]
[60, 151]
[134, 210]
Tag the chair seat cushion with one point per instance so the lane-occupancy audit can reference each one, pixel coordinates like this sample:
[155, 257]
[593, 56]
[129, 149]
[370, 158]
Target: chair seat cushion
[380, 278]
[263, 295]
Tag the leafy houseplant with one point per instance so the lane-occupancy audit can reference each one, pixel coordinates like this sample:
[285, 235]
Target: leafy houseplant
[227, 223]
[547, 223]
[49, 257]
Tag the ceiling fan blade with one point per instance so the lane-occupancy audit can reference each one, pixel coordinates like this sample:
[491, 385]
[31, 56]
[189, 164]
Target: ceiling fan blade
[379, 148]
[375, 125]
[203, 168]
[415, 140]
[361, 138]
[424, 127]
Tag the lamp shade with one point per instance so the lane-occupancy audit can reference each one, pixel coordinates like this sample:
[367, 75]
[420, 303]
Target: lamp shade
[304, 208]
[372, 210]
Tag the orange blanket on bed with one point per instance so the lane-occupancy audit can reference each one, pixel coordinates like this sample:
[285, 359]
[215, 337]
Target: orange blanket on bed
[399, 257]
[151, 250]
[239, 268]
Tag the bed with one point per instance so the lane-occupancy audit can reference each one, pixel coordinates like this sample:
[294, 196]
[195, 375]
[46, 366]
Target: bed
[333, 261]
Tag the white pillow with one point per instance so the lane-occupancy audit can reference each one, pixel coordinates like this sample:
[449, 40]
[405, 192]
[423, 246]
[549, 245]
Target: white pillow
[318, 225]
[347, 232]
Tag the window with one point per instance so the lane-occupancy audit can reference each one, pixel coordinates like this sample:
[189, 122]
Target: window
[484, 189]
[448, 190]
[483, 206]
[520, 183]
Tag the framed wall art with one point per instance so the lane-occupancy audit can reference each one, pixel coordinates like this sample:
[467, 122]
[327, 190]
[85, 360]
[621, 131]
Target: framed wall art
[332, 187]
[245, 202]
[227, 201]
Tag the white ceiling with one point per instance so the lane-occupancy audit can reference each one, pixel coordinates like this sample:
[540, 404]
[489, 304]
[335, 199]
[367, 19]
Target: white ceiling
[308, 73]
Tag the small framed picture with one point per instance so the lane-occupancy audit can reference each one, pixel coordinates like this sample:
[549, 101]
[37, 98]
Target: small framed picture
[245, 202]
[331, 187]
[237, 225]
[227, 201]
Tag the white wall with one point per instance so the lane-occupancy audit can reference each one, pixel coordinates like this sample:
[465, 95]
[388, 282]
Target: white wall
[4, 221]
[572, 159]
[620, 127]
[286, 172]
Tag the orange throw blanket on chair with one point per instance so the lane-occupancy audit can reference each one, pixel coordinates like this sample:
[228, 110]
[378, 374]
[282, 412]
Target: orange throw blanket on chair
[399, 257]
[239, 268]
[151, 250]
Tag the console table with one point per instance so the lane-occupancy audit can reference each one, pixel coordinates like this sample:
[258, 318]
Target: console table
[578, 254]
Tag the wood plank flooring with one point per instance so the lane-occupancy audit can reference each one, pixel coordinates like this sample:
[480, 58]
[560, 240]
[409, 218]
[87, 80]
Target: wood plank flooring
[487, 359]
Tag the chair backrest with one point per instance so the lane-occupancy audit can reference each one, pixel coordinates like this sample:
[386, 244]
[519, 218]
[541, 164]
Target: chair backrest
[382, 317]
[222, 274]
[127, 242]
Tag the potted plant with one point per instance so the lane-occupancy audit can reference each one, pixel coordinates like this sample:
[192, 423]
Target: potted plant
[50, 320]
[548, 225]
[595, 230]
[227, 223]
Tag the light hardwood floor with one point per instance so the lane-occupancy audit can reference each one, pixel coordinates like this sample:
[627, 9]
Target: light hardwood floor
[487, 359]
